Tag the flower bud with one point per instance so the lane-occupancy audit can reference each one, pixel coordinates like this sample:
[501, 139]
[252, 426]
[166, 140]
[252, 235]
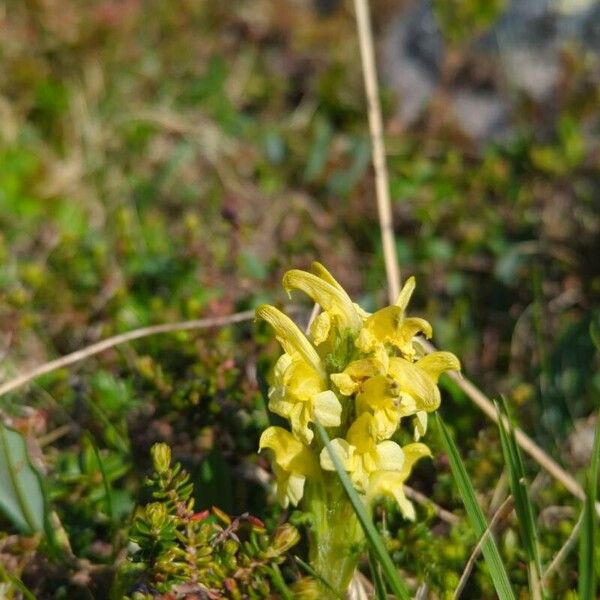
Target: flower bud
[161, 457]
[285, 537]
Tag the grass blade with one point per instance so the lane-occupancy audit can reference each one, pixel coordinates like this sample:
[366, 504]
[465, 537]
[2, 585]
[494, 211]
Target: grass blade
[398, 587]
[378, 582]
[522, 502]
[589, 530]
[108, 497]
[476, 516]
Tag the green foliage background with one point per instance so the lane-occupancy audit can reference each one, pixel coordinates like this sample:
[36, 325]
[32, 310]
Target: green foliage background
[162, 162]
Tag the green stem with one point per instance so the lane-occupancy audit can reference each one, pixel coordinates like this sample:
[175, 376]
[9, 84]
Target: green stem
[336, 537]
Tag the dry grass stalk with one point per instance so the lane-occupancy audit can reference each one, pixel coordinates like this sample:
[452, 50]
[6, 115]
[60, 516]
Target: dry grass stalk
[129, 336]
[384, 205]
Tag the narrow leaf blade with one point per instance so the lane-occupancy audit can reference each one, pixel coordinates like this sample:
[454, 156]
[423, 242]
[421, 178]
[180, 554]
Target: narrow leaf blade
[476, 516]
[522, 502]
[588, 538]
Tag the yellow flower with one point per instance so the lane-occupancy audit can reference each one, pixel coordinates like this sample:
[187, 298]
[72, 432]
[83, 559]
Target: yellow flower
[292, 340]
[400, 389]
[293, 462]
[300, 392]
[338, 308]
[391, 483]
[419, 381]
[349, 381]
[361, 455]
[384, 399]
[390, 326]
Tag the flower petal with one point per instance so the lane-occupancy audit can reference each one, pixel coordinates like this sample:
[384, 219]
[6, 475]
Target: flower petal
[295, 488]
[327, 409]
[279, 403]
[420, 423]
[362, 369]
[284, 445]
[413, 453]
[436, 363]
[344, 383]
[332, 298]
[320, 327]
[388, 483]
[281, 366]
[390, 456]
[292, 340]
[300, 417]
[343, 450]
[320, 271]
[361, 433]
[406, 506]
[416, 382]
[301, 381]
[406, 293]
[385, 423]
[281, 480]
[410, 327]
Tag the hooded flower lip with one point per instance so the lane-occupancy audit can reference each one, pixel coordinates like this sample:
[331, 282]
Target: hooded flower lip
[391, 483]
[301, 396]
[390, 326]
[293, 462]
[326, 292]
[360, 455]
[292, 340]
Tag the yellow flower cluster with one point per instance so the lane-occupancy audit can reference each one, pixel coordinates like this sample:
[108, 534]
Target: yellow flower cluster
[358, 374]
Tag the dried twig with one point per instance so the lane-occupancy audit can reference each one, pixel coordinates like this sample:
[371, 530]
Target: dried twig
[440, 512]
[384, 207]
[503, 511]
[564, 551]
[79, 355]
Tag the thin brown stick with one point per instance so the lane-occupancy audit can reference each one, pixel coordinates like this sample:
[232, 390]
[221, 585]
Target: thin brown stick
[440, 512]
[564, 551]
[503, 511]
[79, 355]
[384, 207]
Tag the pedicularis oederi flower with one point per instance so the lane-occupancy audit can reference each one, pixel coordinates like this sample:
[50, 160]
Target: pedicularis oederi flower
[362, 376]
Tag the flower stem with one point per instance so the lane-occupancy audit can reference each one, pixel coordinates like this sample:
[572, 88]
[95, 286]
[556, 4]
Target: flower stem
[336, 537]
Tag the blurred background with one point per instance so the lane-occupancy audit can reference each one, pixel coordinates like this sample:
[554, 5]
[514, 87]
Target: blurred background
[168, 161]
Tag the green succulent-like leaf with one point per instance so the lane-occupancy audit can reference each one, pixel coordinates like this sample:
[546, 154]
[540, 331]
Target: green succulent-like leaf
[21, 493]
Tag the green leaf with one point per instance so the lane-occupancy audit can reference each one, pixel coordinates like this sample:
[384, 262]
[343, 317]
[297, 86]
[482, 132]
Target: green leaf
[21, 494]
[378, 582]
[108, 496]
[522, 502]
[589, 529]
[378, 549]
[475, 514]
